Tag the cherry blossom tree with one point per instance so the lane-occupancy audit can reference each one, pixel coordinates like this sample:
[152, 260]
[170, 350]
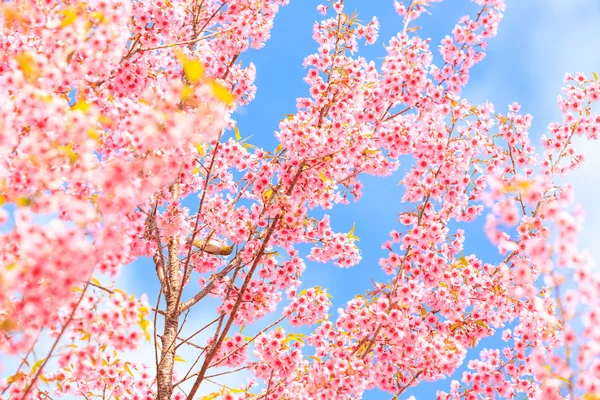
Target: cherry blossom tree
[115, 112]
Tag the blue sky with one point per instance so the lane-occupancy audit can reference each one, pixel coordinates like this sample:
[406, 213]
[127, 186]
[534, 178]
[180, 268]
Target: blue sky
[538, 42]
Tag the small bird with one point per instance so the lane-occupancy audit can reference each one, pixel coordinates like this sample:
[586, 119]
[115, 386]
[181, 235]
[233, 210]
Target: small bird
[213, 246]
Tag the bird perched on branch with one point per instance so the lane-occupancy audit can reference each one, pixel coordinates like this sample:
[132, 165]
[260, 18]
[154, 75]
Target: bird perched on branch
[213, 246]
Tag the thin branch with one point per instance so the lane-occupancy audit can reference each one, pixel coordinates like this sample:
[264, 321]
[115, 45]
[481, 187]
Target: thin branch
[107, 290]
[186, 42]
[62, 331]
[238, 302]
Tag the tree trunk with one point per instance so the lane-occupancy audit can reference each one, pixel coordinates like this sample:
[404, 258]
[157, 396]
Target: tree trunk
[171, 287]
[167, 356]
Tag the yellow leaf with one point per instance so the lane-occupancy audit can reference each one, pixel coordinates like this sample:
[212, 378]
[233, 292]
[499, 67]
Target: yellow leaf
[98, 15]
[11, 15]
[27, 65]
[16, 377]
[481, 323]
[455, 294]
[221, 92]
[8, 325]
[595, 75]
[350, 235]
[238, 137]
[186, 92]
[560, 378]
[37, 365]
[2, 199]
[104, 120]
[193, 69]
[70, 57]
[267, 194]
[179, 359]
[126, 366]
[294, 336]
[591, 396]
[23, 201]
[69, 17]
[81, 105]
[200, 149]
[455, 326]
[352, 229]
[92, 134]
[47, 99]
[413, 29]
[462, 262]
[524, 185]
[211, 396]
[68, 151]
[145, 326]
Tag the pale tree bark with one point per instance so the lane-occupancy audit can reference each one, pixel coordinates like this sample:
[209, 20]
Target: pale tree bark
[171, 288]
